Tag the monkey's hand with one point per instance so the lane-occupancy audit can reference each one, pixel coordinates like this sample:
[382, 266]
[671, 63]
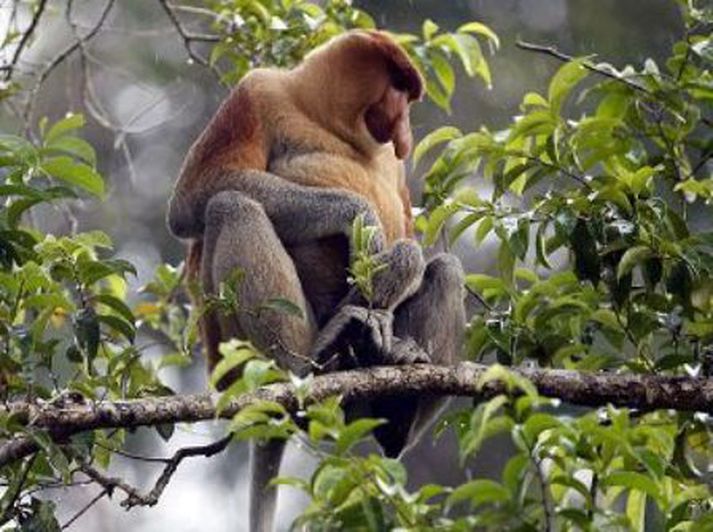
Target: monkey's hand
[406, 351]
[355, 337]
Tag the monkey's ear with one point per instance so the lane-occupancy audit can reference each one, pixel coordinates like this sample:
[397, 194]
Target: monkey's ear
[402, 71]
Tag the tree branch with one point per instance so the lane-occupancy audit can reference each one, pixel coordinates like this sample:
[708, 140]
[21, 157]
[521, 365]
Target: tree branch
[133, 496]
[554, 52]
[60, 58]
[190, 38]
[647, 392]
[10, 68]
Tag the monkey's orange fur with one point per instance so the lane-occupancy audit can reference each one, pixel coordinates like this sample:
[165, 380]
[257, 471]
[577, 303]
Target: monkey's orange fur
[328, 112]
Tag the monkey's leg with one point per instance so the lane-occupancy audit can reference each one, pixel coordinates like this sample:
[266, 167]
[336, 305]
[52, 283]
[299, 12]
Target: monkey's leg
[360, 333]
[240, 237]
[434, 317]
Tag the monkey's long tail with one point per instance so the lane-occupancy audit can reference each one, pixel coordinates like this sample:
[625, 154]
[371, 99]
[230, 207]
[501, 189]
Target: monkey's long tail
[265, 460]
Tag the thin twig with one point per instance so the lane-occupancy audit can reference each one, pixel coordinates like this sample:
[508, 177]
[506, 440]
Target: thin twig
[190, 38]
[195, 10]
[133, 496]
[480, 299]
[59, 59]
[554, 52]
[85, 508]
[9, 69]
[10, 510]
[593, 487]
[134, 456]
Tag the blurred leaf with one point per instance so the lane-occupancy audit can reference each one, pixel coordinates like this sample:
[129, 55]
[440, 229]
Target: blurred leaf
[564, 81]
[76, 174]
[631, 258]
[433, 139]
[478, 492]
[64, 126]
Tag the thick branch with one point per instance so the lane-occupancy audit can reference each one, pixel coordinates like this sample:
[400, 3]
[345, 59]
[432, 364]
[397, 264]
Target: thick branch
[588, 389]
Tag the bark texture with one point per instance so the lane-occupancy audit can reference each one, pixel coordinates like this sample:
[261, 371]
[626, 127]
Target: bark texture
[647, 392]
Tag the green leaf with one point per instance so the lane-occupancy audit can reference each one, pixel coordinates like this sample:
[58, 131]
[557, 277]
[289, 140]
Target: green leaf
[636, 510]
[115, 304]
[480, 29]
[119, 325]
[506, 263]
[234, 354]
[484, 227]
[436, 221]
[91, 271]
[571, 482]
[40, 517]
[433, 139]
[463, 224]
[631, 258]
[533, 99]
[429, 29]
[514, 472]
[72, 146]
[355, 432]
[444, 72]
[18, 207]
[48, 300]
[564, 81]
[76, 174]
[64, 126]
[633, 481]
[538, 122]
[537, 423]
[469, 52]
[478, 492]
[541, 247]
[259, 372]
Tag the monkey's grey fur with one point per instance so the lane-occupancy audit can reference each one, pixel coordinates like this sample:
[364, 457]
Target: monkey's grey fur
[263, 226]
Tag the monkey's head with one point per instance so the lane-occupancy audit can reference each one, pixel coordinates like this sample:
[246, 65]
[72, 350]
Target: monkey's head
[360, 86]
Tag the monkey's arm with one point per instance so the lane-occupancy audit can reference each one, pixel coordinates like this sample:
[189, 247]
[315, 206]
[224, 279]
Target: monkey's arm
[298, 213]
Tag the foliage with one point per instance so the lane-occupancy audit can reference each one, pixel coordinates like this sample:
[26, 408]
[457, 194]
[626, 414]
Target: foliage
[601, 189]
[66, 329]
[260, 33]
[364, 266]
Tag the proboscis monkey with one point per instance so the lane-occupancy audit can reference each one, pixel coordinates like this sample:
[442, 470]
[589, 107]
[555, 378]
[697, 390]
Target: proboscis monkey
[272, 186]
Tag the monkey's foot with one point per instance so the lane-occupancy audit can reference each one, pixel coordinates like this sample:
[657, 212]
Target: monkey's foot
[354, 337]
[406, 351]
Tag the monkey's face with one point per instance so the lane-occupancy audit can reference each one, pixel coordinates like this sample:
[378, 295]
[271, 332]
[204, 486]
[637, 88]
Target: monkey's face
[397, 84]
[366, 84]
[388, 120]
